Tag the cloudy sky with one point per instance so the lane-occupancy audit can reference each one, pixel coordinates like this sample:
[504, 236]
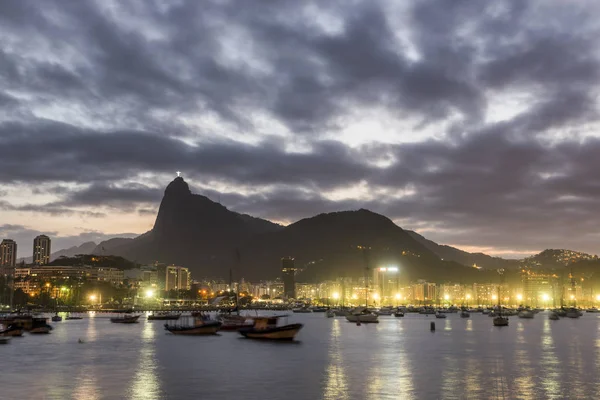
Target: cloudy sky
[473, 122]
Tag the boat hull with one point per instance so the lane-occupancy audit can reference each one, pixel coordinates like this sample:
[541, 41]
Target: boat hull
[125, 320]
[40, 330]
[205, 329]
[11, 332]
[365, 319]
[287, 332]
[500, 321]
[163, 317]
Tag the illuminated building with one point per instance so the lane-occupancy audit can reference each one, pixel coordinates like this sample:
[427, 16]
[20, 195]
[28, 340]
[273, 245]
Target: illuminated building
[288, 275]
[8, 253]
[177, 278]
[385, 282]
[41, 250]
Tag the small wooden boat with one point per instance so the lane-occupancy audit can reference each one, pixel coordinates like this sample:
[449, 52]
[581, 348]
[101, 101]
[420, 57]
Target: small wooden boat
[235, 322]
[200, 327]
[361, 314]
[39, 326]
[126, 319]
[163, 317]
[12, 330]
[265, 328]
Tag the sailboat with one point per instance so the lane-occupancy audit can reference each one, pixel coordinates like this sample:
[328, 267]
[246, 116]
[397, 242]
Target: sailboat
[56, 317]
[573, 312]
[229, 321]
[362, 314]
[499, 320]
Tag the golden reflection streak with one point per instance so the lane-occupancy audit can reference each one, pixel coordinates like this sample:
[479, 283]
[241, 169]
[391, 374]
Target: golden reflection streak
[145, 383]
[87, 386]
[336, 387]
[551, 376]
[469, 325]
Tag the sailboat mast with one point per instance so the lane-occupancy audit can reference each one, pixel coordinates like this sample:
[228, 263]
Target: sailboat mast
[366, 254]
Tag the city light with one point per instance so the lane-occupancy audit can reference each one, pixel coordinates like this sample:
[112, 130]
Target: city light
[376, 296]
[387, 269]
[545, 297]
[519, 297]
[397, 296]
[468, 297]
[572, 297]
[598, 297]
[336, 295]
[92, 297]
[149, 293]
[446, 297]
[494, 297]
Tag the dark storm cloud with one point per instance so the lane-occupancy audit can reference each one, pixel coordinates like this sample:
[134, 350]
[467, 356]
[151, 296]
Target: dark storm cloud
[98, 93]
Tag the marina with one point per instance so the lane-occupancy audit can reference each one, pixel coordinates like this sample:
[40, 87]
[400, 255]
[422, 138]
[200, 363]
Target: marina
[396, 358]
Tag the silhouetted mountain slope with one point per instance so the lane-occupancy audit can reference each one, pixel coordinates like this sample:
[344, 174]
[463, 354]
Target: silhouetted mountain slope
[450, 253]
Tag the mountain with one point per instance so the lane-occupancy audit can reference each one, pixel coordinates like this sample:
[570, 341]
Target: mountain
[84, 248]
[190, 230]
[462, 257]
[557, 258]
[193, 231]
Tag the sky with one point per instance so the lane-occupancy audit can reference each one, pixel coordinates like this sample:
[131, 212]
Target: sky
[474, 123]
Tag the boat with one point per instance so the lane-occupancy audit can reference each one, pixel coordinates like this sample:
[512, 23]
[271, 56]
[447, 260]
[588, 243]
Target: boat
[330, 314]
[319, 309]
[528, 314]
[592, 310]
[440, 315]
[361, 314]
[385, 311]
[56, 318]
[398, 314]
[301, 310]
[465, 314]
[499, 320]
[201, 327]
[40, 326]
[4, 340]
[12, 330]
[163, 317]
[553, 316]
[573, 313]
[266, 328]
[72, 317]
[125, 319]
[234, 322]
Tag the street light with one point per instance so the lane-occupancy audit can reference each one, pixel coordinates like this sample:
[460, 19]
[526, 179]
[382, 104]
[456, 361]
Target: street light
[519, 297]
[149, 293]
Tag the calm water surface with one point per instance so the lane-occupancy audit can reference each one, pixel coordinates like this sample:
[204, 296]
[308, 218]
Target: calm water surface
[333, 359]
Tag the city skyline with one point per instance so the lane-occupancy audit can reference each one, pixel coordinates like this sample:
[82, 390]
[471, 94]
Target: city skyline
[467, 123]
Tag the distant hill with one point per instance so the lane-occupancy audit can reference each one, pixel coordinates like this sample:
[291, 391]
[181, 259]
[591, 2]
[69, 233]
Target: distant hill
[462, 257]
[193, 231]
[557, 258]
[85, 248]
[95, 261]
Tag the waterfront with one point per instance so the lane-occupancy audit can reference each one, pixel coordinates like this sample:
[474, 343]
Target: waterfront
[399, 358]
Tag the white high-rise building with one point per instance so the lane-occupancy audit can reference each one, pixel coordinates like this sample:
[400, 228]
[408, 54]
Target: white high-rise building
[41, 250]
[8, 253]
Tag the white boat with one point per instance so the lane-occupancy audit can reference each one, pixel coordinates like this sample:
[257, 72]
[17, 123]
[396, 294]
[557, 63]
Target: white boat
[361, 314]
[526, 314]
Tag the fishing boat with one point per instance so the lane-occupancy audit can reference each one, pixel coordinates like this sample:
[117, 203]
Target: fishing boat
[125, 319]
[40, 326]
[234, 322]
[163, 317]
[12, 330]
[527, 314]
[266, 328]
[361, 314]
[201, 326]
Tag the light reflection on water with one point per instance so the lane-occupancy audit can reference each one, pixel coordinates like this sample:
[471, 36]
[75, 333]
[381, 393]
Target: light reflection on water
[399, 358]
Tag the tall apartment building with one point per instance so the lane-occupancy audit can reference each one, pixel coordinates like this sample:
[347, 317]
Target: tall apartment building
[41, 250]
[177, 278]
[288, 275]
[8, 253]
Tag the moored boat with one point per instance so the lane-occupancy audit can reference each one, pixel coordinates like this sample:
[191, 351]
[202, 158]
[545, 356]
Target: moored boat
[266, 328]
[465, 314]
[500, 321]
[72, 317]
[163, 317]
[573, 313]
[361, 314]
[40, 326]
[528, 314]
[301, 310]
[330, 314]
[12, 330]
[553, 316]
[56, 318]
[440, 315]
[200, 327]
[125, 319]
